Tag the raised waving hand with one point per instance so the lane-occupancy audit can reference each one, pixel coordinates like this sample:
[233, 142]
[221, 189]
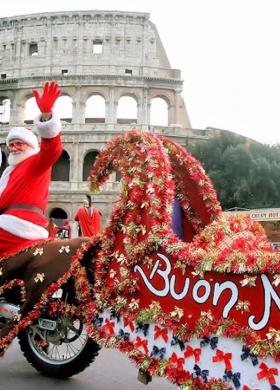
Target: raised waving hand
[45, 102]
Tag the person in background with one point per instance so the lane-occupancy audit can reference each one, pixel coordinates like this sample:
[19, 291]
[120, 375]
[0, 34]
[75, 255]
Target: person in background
[89, 219]
[65, 230]
[52, 228]
[24, 184]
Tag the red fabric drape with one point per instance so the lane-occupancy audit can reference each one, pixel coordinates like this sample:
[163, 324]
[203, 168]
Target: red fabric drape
[90, 222]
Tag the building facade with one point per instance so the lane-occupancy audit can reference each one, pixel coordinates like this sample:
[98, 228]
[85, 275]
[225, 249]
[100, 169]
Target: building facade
[95, 56]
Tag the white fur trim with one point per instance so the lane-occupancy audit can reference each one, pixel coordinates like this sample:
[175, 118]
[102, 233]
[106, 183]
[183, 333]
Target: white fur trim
[48, 129]
[21, 228]
[24, 135]
[5, 178]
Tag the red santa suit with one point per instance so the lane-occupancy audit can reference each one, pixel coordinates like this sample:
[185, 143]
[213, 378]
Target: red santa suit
[89, 219]
[27, 184]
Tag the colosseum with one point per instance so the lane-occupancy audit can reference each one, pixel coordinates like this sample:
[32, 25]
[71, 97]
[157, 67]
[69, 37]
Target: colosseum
[115, 75]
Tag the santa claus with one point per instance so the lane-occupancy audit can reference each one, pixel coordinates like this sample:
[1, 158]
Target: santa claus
[24, 184]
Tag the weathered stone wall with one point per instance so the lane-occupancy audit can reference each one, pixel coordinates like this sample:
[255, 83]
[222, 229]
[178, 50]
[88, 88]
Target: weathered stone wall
[111, 54]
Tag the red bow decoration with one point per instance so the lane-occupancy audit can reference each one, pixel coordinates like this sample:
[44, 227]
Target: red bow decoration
[161, 332]
[245, 387]
[196, 352]
[267, 373]
[128, 322]
[221, 356]
[108, 328]
[176, 362]
[141, 343]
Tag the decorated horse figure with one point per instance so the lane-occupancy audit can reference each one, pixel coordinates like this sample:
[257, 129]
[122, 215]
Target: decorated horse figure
[46, 293]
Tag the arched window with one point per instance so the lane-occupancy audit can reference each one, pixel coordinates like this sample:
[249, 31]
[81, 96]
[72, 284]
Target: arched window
[31, 110]
[61, 168]
[118, 176]
[33, 49]
[88, 162]
[63, 107]
[159, 112]
[4, 163]
[5, 106]
[59, 216]
[58, 213]
[95, 109]
[127, 112]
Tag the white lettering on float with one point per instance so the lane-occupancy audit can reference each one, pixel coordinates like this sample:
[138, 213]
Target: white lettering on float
[169, 286]
[269, 293]
[203, 298]
[170, 282]
[219, 288]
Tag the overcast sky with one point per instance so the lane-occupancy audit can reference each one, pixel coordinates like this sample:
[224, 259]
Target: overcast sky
[228, 52]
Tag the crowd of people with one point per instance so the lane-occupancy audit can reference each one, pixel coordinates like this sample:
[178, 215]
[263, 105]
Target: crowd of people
[87, 222]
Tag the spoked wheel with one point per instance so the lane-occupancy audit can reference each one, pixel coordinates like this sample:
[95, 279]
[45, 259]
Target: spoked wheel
[58, 347]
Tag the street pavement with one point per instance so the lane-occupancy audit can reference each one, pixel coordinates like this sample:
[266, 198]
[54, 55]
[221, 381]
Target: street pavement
[111, 370]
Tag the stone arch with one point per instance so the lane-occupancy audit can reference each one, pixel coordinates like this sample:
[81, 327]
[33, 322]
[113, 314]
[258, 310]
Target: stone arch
[58, 213]
[89, 160]
[61, 169]
[5, 109]
[168, 97]
[132, 93]
[159, 111]
[64, 108]
[88, 92]
[127, 111]
[95, 110]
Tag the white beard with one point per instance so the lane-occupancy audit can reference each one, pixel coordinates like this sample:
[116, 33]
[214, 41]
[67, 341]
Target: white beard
[16, 158]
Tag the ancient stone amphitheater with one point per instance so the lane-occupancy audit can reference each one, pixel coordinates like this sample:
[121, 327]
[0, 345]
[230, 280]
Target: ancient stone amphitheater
[115, 75]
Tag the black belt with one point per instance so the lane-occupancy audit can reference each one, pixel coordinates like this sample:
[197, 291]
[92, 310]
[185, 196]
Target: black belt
[22, 206]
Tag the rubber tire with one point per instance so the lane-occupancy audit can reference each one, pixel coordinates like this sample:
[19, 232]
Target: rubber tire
[62, 371]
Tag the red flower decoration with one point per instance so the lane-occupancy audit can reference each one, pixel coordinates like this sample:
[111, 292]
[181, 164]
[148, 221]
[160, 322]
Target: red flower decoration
[108, 328]
[185, 376]
[176, 362]
[141, 343]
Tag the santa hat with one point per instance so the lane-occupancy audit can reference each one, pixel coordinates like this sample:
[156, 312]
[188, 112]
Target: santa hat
[23, 134]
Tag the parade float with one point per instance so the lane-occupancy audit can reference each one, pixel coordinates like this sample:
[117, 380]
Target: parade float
[201, 310]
